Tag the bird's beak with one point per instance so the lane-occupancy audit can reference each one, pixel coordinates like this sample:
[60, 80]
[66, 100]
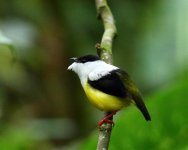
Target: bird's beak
[73, 59]
[73, 64]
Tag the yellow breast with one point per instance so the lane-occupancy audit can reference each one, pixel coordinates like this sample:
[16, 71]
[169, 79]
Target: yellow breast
[103, 101]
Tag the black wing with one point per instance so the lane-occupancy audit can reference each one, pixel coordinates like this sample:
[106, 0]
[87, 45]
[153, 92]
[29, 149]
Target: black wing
[118, 83]
[110, 84]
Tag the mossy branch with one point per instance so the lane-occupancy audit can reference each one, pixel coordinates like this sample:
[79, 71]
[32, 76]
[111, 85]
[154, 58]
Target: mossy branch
[104, 50]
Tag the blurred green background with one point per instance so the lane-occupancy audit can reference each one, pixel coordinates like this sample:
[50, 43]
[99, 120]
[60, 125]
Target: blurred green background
[42, 105]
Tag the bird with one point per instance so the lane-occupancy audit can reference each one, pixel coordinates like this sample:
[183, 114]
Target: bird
[107, 87]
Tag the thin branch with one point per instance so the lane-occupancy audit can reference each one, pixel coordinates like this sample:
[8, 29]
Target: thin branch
[104, 50]
[104, 13]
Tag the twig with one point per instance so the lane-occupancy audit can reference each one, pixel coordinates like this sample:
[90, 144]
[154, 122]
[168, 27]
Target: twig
[104, 51]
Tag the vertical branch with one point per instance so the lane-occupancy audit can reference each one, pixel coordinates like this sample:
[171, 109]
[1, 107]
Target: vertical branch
[104, 51]
[105, 48]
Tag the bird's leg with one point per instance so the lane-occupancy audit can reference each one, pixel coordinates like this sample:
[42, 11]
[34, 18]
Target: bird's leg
[107, 119]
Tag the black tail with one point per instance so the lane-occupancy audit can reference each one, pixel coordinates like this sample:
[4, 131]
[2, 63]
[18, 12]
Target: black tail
[133, 93]
[142, 107]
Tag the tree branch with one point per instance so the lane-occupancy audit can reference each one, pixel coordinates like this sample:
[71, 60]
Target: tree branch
[104, 13]
[104, 51]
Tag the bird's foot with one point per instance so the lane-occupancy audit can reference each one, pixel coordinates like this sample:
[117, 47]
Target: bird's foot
[107, 119]
[100, 123]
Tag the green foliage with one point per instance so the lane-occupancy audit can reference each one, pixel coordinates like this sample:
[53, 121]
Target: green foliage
[16, 138]
[167, 130]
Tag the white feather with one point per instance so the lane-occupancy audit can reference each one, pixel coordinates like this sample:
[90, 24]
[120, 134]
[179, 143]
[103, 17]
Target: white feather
[91, 70]
[101, 71]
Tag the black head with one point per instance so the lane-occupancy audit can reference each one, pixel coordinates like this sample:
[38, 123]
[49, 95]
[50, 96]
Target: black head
[86, 58]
